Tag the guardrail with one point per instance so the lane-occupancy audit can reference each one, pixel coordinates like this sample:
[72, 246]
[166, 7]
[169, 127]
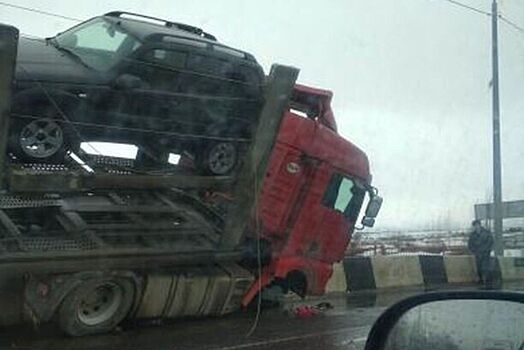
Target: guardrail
[441, 243]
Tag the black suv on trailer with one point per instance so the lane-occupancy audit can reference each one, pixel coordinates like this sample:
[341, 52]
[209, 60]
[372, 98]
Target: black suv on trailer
[122, 77]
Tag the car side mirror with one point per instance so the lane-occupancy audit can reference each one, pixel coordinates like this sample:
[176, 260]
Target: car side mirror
[128, 82]
[467, 320]
[372, 210]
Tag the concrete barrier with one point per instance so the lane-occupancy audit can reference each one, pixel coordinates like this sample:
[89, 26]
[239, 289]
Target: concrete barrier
[363, 273]
[359, 273]
[511, 269]
[460, 268]
[396, 271]
[433, 270]
[337, 282]
[385, 272]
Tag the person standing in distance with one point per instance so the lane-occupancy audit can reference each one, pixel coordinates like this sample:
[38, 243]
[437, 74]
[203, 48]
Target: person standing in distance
[480, 244]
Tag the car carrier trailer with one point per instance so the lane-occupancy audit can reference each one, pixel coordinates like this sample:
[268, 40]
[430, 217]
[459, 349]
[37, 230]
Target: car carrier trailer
[91, 244]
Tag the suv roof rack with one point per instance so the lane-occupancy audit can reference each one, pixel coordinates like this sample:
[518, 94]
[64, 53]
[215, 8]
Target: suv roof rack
[169, 24]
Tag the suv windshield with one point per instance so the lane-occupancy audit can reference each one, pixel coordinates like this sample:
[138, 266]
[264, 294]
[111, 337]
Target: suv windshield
[99, 43]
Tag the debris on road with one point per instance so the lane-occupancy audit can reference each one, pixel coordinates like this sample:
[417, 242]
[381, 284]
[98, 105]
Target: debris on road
[307, 311]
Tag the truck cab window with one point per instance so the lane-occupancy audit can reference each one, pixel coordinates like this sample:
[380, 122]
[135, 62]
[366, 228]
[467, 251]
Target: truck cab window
[306, 106]
[303, 110]
[344, 195]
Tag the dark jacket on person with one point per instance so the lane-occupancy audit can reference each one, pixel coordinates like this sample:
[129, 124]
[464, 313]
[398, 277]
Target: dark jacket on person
[481, 242]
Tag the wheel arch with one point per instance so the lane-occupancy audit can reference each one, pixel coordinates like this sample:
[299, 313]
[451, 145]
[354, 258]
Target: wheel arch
[43, 294]
[297, 281]
[57, 106]
[315, 273]
[296, 271]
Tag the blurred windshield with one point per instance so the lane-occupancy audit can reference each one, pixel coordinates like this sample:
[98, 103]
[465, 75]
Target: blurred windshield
[252, 174]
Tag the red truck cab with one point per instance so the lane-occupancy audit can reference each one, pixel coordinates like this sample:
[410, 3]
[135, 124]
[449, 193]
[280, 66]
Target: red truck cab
[311, 197]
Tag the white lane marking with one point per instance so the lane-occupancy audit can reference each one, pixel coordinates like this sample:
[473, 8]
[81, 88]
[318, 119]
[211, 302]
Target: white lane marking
[353, 341]
[297, 337]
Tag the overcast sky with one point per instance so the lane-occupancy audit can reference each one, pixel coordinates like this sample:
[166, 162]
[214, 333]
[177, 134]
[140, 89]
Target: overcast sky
[410, 77]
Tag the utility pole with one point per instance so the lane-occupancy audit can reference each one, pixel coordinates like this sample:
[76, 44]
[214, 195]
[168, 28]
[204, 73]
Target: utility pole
[497, 178]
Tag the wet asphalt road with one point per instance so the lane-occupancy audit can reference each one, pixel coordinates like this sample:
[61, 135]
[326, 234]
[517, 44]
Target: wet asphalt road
[335, 329]
[343, 327]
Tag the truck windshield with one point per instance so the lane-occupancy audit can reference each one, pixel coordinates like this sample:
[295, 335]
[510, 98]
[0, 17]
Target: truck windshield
[344, 195]
[99, 43]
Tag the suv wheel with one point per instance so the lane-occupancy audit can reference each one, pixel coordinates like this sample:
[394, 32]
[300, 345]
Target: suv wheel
[41, 140]
[219, 158]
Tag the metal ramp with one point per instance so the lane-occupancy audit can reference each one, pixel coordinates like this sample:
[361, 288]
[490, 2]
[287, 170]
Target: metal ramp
[106, 220]
[115, 214]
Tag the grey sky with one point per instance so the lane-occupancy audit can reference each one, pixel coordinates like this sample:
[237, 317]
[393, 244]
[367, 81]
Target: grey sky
[410, 77]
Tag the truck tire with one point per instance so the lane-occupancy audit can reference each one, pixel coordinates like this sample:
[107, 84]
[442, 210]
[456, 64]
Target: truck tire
[96, 306]
[218, 158]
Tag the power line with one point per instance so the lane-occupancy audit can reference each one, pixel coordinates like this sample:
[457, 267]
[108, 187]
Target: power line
[39, 11]
[479, 11]
[512, 24]
[516, 32]
[471, 8]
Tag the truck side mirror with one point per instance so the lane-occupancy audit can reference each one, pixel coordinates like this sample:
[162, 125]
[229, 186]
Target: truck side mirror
[372, 210]
[368, 222]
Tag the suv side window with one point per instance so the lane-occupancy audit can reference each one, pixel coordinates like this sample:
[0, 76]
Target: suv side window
[210, 75]
[252, 86]
[166, 58]
[161, 68]
[344, 195]
[223, 77]
[209, 65]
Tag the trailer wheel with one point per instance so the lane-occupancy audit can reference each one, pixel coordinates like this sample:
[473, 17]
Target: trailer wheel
[96, 306]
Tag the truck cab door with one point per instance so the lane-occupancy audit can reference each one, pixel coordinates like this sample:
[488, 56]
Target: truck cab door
[283, 192]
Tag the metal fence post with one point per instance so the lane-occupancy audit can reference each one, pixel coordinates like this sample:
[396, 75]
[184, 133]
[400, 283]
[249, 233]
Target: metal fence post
[249, 183]
[8, 49]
